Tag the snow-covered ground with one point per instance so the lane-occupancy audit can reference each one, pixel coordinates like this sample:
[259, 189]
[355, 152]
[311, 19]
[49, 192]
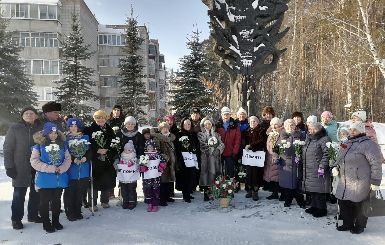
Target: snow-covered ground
[246, 222]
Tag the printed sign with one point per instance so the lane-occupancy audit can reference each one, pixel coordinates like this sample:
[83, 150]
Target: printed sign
[190, 159]
[152, 171]
[256, 159]
[126, 174]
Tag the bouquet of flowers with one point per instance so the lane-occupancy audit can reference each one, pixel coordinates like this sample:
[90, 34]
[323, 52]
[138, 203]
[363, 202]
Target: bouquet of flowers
[53, 154]
[115, 144]
[333, 148]
[223, 187]
[213, 144]
[143, 163]
[78, 148]
[185, 142]
[298, 144]
[280, 149]
[98, 136]
[273, 137]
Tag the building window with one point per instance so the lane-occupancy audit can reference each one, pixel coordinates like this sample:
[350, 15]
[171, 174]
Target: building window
[39, 39]
[152, 101]
[42, 67]
[29, 11]
[104, 62]
[45, 93]
[110, 102]
[111, 39]
[110, 81]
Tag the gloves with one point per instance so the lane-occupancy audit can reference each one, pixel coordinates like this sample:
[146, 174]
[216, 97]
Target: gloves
[247, 147]
[162, 166]
[11, 173]
[374, 187]
[321, 172]
[335, 172]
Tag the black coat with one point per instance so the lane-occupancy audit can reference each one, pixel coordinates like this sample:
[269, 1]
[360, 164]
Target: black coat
[137, 139]
[193, 147]
[116, 122]
[103, 172]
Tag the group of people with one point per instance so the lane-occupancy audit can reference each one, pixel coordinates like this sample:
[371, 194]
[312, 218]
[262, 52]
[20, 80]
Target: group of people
[49, 155]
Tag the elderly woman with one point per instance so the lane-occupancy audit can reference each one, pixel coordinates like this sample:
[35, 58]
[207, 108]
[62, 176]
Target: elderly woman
[271, 171]
[289, 175]
[212, 148]
[360, 170]
[256, 138]
[103, 171]
[316, 179]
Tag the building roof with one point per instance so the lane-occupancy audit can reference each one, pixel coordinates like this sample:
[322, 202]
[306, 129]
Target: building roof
[48, 2]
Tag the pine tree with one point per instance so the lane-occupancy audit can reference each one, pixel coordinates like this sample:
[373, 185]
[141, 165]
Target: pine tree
[15, 87]
[75, 88]
[132, 96]
[189, 90]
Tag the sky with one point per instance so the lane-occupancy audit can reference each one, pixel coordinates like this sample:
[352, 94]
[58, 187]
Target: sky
[169, 21]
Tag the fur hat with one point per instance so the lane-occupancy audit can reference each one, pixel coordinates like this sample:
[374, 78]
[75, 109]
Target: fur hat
[48, 128]
[163, 125]
[129, 146]
[130, 119]
[225, 110]
[73, 121]
[241, 110]
[146, 131]
[311, 119]
[51, 106]
[28, 108]
[360, 114]
[359, 126]
[268, 110]
[100, 113]
[276, 120]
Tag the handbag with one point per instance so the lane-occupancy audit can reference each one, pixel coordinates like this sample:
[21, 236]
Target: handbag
[374, 205]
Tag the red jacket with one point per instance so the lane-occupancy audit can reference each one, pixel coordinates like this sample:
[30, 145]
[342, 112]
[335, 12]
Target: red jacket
[231, 138]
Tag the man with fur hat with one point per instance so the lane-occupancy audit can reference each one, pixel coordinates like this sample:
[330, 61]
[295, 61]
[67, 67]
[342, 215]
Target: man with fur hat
[17, 151]
[51, 113]
[360, 116]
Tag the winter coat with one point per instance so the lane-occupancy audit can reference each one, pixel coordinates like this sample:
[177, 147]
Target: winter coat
[17, 151]
[136, 137]
[179, 148]
[331, 130]
[167, 151]
[271, 171]
[315, 155]
[195, 126]
[116, 122]
[265, 124]
[360, 165]
[174, 130]
[211, 166]
[82, 170]
[103, 172]
[46, 178]
[370, 132]
[290, 174]
[231, 138]
[243, 126]
[303, 130]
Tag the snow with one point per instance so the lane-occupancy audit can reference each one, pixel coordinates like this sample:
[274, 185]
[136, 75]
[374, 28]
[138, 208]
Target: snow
[236, 40]
[255, 4]
[104, 29]
[263, 8]
[259, 46]
[49, 2]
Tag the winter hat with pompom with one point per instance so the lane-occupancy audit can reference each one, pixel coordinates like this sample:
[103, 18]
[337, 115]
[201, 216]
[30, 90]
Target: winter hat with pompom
[129, 146]
[73, 121]
[241, 110]
[130, 119]
[359, 126]
[48, 128]
[360, 114]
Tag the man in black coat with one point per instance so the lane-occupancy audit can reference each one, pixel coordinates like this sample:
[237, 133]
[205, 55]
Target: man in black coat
[17, 152]
[51, 113]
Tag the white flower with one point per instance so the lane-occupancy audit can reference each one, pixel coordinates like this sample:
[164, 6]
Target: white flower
[328, 144]
[229, 191]
[217, 182]
[296, 142]
[52, 147]
[335, 145]
[283, 141]
[302, 142]
[183, 138]
[116, 128]
[224, 185]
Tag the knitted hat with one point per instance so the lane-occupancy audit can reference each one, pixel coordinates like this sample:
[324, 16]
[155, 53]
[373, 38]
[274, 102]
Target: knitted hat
[100, 113]
[327, 114]
[360, 114]
[129, 146]
[48, 128]
[241, 110]
[51, 106]
[225, 110]
[163, 125]
[28, 108]
[359, 126]
[73, 121]
[130, 119]
[311, 119]
[268, 110]
[149, 142]
[169, 118]
[145, 131]
[276, 120]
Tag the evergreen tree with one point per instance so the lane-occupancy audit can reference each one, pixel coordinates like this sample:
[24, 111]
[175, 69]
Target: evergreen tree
[132, 96]
[15, 87]
[189, 90]
[75, 88]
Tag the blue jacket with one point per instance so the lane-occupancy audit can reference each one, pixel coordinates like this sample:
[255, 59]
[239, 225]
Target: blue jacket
[45, 180]
[77, 172]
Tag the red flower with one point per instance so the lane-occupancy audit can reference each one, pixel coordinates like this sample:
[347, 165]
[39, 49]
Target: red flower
[344, 146]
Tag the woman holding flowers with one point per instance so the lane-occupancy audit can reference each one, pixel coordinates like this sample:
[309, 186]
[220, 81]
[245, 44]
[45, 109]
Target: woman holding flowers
[212, 148]
[79, 172]
[187, 150]
[256, 138]
[103, 156]
[51, 160]
[289, 164]
[271, 171]
[316, 174]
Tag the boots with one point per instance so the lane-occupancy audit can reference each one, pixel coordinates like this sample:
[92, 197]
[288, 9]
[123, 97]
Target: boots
[255, 196]
[310, 210]
[47, 226]
[248, 194]
[273, 195]
[17, 225]
[55, 223]
[320, 213]
[149, 208]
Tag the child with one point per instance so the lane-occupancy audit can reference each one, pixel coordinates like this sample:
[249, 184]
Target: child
[79, 171]
[51, 160]
[151, 175]
[128, 174]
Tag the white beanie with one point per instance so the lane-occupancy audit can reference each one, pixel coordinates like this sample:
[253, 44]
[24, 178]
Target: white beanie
[359, 126]
[130, 119]
[225, 110]
[311, 119]
[241, 110]
[129, 146]
[360, 114]
[276, 120]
